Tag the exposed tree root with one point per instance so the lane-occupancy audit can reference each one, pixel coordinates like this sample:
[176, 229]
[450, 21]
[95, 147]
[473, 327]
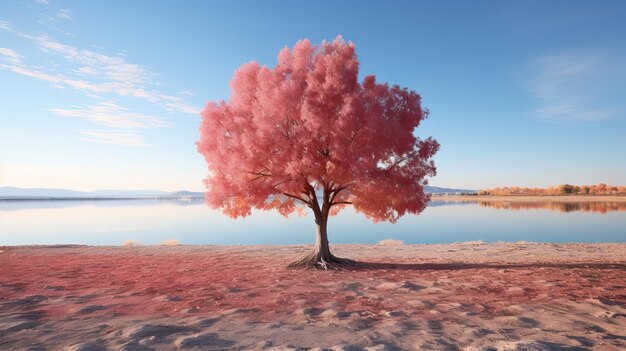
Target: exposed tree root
[315, 260]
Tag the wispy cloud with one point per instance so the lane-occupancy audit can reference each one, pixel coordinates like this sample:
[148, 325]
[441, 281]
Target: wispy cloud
[125, 138]
[65, 14]
[96, 64]
[570, 87]
[181, 107]
[99, 76]
[95, 73]
[33, 73]
[11, 60]
[44, 2]
[110, 114]
[10, 56]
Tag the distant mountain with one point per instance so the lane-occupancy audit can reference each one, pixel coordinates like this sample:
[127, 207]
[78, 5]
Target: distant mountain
[41, 193]
[127, 193]
[14, 192]
[185, 193]
[437, 190]
[9, 191]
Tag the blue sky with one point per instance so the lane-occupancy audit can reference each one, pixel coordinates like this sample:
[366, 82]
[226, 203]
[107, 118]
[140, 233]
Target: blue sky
[106, 94]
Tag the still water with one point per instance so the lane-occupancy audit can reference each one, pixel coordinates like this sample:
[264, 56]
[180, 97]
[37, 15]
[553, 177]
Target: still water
[191, 222]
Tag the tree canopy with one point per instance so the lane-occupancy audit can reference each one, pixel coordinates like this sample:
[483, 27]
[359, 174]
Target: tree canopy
[308, 126]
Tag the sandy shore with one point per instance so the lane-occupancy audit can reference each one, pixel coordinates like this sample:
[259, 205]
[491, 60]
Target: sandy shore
[466, 296]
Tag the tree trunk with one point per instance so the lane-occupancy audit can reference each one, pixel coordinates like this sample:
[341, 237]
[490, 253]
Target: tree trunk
[321, 240]
[321, 257]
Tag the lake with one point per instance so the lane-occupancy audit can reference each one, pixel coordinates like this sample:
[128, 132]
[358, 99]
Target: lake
[191, 222]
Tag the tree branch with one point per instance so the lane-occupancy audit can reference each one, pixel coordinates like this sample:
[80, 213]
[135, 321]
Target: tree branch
[279, 183]
[260, 174]
[336, 191]
[314, 203]
[298, 198]
[400, 160]
[341, 203]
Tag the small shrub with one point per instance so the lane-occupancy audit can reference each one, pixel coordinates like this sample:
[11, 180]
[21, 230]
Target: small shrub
[130, 243]
[170, 242]
[391, 242]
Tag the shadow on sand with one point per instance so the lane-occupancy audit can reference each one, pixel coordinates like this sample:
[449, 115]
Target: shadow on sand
[460, 266]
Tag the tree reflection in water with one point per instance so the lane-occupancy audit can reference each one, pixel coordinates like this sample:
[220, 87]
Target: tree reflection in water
[564, 206]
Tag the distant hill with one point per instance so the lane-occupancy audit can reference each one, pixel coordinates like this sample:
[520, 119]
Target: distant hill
[437, 190]
[185, 193]
[127, 193]
[42, 193]
[9, 192]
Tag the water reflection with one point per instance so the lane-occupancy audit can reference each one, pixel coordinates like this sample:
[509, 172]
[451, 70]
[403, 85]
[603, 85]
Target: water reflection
[16, 205]
[560, 206]
[191, 222]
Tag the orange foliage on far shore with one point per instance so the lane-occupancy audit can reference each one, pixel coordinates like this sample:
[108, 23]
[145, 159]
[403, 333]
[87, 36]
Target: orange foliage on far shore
[563, 189]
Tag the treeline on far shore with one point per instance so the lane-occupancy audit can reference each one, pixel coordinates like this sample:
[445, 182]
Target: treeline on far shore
[563, 189]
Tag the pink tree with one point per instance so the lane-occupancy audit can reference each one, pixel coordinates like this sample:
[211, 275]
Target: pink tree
[307, 133]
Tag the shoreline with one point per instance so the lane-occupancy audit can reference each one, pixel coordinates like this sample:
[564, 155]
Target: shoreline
[392, 243]
[468, 296]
